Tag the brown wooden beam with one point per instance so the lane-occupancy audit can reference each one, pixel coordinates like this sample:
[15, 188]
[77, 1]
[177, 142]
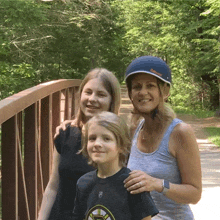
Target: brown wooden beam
[30, 155]
[9, 195]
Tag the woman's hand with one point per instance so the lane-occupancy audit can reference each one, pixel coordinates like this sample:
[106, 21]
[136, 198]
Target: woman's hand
[63, 127]
[138, 182]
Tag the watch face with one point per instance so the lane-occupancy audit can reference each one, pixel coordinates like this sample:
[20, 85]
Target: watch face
[166, 184]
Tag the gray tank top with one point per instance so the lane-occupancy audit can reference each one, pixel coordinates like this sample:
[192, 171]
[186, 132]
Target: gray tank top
[160, 164]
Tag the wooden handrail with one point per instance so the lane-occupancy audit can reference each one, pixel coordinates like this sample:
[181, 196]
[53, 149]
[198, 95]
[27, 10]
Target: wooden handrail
[28, 120]
[17, 102]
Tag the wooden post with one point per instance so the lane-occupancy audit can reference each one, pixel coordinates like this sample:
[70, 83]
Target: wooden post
[9, 181]
[30, 157]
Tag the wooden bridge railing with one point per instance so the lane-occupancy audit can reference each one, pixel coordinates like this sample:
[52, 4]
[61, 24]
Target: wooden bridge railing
[28, 121]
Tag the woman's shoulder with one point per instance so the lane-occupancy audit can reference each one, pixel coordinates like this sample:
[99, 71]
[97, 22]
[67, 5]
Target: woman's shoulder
[183, 136]
[182, 129]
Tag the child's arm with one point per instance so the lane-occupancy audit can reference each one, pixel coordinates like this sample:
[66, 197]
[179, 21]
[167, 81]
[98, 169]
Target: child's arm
[78, 208]
[83, 189]
[147, 218]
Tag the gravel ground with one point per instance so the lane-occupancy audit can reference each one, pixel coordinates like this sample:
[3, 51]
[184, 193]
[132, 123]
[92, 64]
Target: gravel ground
[209, 206]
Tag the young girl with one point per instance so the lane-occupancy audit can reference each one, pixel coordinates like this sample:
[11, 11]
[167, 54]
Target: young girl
[99, 91]
[164, 155]
[101, 193]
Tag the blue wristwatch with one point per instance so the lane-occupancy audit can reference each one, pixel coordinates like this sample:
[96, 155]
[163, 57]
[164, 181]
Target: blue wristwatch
[166, 186]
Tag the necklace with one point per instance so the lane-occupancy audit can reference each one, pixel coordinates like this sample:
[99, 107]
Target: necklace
[143, 136]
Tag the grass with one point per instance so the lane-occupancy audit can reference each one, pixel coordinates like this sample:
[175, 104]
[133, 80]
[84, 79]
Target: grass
[213, 135]
[212, 132]
[199, 113]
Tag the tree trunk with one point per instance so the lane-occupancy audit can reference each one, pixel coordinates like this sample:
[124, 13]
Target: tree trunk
[212, 81]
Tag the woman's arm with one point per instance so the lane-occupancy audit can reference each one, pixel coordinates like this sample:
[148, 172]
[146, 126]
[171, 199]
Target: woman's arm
[147, 218]
[187, 154]
[63, 126]
[51, 189]
[184, 147]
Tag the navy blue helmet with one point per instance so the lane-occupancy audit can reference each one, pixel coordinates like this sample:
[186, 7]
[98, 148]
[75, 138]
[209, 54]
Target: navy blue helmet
[150, 65]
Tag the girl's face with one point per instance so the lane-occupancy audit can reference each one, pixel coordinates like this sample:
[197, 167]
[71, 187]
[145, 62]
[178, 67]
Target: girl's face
[94, 98]
[102, 146]
[145, 93]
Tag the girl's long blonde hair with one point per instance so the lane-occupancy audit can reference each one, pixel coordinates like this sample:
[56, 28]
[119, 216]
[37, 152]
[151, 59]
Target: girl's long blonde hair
[111, 84]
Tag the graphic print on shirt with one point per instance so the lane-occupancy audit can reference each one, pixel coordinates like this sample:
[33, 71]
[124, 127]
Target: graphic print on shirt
[100, 194]
[99, 212]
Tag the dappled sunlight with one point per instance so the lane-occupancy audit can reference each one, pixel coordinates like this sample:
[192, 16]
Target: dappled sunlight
[210, 162]
[205, 142]
[202, 141]
[208, 206]
[48, 83]
[206, 145]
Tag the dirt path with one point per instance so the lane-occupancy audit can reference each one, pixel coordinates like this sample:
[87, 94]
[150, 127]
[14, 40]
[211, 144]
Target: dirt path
[198, 125]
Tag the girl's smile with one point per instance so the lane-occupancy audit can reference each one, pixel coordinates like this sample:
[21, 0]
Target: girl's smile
[94, 98]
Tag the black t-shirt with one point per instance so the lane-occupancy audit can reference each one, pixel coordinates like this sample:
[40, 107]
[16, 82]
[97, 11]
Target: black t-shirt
[108, 199]
[72, 166]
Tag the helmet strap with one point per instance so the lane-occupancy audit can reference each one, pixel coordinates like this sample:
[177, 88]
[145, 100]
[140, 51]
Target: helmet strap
[154, 113]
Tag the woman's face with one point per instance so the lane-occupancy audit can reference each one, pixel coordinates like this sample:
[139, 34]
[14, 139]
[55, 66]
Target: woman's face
[145, 93]
[94, 98]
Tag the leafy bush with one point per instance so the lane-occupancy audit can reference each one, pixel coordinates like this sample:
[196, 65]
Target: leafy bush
[15, 78]
[214, 135]
[199, 113]
[186, 92]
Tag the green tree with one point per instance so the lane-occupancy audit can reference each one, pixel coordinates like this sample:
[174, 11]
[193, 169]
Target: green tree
[198, 27]
[185, 33]
[57, 40]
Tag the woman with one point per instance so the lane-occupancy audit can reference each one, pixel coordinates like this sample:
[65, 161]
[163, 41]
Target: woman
[99, 91]
[164, 156]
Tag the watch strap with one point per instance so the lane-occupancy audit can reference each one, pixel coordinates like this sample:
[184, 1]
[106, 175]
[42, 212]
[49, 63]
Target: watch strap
[166, 186]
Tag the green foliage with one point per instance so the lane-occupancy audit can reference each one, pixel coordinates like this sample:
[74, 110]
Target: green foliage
[199, 113]
[198, 26]
[57, 40]
[16, 78]
[187, 92]
[213, 135]
[53, 40]
[145, 32]
[186, 36]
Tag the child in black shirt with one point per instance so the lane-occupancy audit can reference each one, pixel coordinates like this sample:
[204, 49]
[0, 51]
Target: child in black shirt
[101, 193]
